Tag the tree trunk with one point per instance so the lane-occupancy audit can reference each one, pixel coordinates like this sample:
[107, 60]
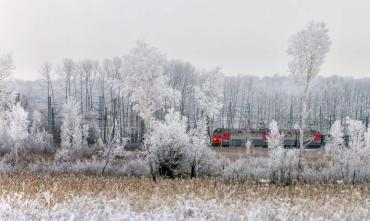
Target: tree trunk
[302, 128]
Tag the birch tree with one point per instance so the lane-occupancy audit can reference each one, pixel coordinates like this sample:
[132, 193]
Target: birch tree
[209, 97]
[307, 49]
[151, 94]
[67, 71]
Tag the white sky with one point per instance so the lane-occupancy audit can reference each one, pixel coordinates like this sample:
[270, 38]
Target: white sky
[242, 37]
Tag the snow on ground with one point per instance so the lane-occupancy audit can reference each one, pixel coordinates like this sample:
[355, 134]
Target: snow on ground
[100, 198]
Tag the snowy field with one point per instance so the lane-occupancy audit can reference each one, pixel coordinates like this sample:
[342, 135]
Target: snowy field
[25, 197]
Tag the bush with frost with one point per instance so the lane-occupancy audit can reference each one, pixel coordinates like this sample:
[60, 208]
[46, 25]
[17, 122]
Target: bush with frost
[18, 129]
[168, 146]
[356, 132]
[274, 137]
[39, 141]
[335, 140]
[6, 142]
[336, 153]
[201, 157]
[277, 152]
[282, 162]
[73, 133]
[351, 162]
[358, 156]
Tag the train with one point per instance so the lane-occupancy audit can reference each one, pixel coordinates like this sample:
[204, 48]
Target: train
[258, 138]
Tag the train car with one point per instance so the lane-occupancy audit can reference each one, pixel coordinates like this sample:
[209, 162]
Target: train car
[312, 139]
[258, 138]
[290, 138]
[238, 137]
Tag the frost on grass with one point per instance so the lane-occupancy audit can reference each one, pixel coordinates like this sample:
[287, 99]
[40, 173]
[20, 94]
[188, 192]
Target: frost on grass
[70, 198]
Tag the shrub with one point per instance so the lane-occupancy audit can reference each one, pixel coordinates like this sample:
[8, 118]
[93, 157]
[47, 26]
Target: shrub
[73, 133]
[168, 146]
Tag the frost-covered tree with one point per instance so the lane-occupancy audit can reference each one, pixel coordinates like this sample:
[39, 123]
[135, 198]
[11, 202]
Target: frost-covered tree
[200, 154]
[280, 161]
[168, 145]
[307, 49]
[274, 138]
[46, 74]
[89, 70]
[67, 71]
[338, 156]
[356, 131]
[336, 136]
[6, 66]
[73, 132]
[209, 97]
[182, 77]
[357, 157]
[39, 141]
[6, 69]
[150, 92]
[18, 127]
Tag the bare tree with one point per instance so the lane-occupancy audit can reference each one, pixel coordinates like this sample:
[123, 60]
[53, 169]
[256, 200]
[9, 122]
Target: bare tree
[45, 71]
[182, 77]
[66, 71]
[90, 69]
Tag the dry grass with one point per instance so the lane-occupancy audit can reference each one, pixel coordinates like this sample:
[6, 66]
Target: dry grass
[198, 199]
[143, 189]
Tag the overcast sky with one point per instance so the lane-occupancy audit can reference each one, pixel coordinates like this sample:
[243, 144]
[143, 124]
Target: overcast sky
[241, 37]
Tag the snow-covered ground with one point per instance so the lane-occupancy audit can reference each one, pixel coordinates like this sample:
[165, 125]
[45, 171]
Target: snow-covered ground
[99, 198]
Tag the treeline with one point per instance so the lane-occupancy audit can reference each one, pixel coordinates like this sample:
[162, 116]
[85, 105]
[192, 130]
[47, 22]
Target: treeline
[254, 102]
[247, 101]
[136, 97]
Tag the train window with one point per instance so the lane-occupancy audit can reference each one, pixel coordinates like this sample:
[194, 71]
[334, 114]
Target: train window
[218, 132]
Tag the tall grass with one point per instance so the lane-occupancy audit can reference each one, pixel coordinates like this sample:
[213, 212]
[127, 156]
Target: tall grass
[81, 197]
